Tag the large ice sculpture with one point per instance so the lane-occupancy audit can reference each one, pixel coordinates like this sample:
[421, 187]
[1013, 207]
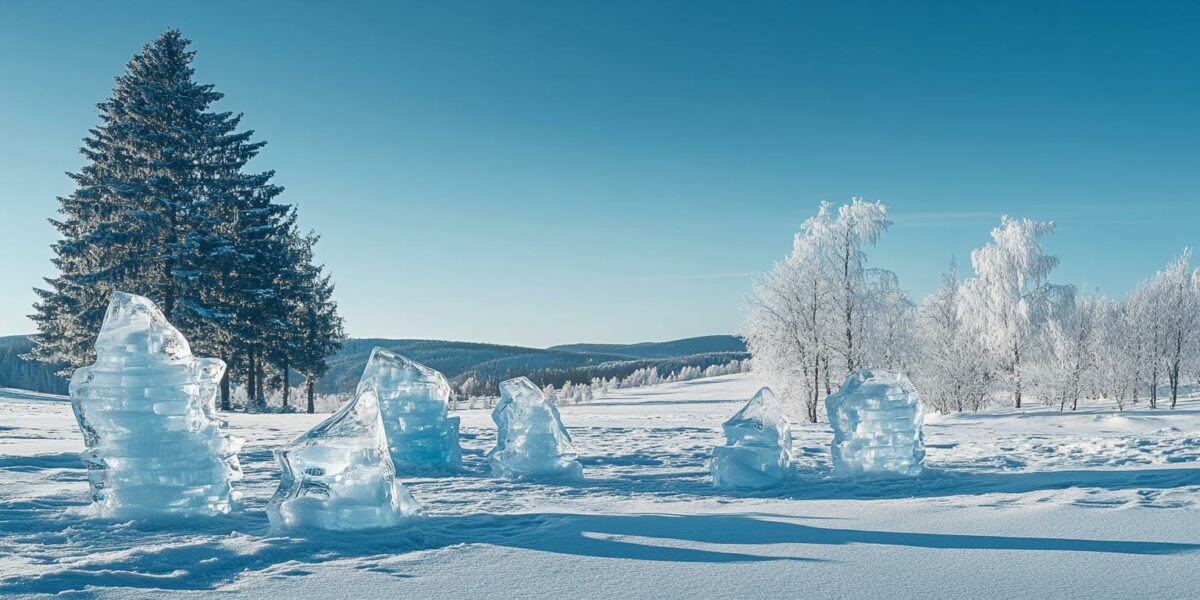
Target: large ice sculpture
[531, 440]
[339, 475]
[154, 445]
[877, 421]
[414, 401]
[758, 446]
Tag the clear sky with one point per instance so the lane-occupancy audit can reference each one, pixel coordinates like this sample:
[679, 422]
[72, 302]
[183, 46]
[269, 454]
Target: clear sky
[550, 172]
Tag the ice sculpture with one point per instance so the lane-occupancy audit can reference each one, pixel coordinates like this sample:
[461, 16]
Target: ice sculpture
[339, 475]
[414, 401]
[531, 440]
[877, 421]
[758, 446]
[154, 445]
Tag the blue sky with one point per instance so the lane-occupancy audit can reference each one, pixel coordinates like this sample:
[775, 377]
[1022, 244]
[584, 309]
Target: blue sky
[549, 172]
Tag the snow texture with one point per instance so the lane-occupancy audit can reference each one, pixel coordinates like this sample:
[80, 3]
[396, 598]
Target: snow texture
[339, 475]
[146, 409]
[758, 446]
[1093, 504]
[414, 401]
[531, 440]
[877, 420]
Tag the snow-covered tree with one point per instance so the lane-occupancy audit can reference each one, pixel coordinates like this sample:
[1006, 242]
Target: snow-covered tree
[889, 339]
[1166, 311]
[1009, 298]
[789, 322]
[1116, 366]
[858, 224]
[953, 371]
[812, 318]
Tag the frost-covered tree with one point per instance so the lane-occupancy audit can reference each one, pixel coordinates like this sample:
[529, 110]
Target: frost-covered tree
[789, 321]
[1009, 298]
[1070, 353]
[820, 312]
[889, 317]
[858, 224]
[1116, 365]
[953, 371]
[1167, 313]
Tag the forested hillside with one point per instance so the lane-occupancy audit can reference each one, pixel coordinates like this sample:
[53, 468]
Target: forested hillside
[17, 372]
[457, 360]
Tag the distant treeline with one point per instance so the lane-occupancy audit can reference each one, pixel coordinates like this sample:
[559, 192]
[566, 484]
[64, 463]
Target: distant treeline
[17, 372]
[489, 363]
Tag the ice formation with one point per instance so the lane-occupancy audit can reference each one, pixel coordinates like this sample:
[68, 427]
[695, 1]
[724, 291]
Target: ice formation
[154, 445]
[413, 401]
[339, 474]
[758, 445]
[877, 420]
[531, 440]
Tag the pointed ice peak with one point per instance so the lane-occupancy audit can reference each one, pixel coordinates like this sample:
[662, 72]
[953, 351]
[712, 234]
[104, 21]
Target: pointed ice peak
[135, 325]
[763, 408]
[521, 388]
[387, 370]
[762, 421]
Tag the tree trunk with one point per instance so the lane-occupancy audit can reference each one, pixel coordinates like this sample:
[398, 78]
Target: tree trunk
[286, 383]
[1154, 388]
[1017, 377]
[812, 407]
[225, 391]
[310, 384]
[1173, 382]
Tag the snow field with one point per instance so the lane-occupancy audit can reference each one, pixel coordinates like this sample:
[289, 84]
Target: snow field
[1013, 504]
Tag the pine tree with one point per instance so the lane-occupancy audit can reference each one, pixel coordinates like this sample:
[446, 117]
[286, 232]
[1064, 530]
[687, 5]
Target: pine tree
[165, 209]
[321, 329]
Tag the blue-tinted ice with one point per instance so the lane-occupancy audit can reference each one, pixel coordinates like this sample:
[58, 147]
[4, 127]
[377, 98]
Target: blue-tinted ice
[758, 445]
[877, 420]
[339, 475]
[531, 440]
[146, 408]
[414, 401]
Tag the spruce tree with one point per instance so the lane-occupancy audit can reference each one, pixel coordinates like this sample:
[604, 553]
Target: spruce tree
[165, 209]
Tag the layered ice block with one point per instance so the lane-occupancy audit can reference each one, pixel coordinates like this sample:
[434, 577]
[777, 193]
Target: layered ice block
[877, 420]
[758, 445]
[154, 445]
[414, 401]
[531, 440]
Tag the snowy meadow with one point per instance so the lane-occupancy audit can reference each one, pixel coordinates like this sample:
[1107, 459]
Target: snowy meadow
[1007, 434]
[1032, 503]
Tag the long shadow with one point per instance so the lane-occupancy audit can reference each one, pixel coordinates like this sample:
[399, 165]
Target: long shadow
[38, 462]
[207, 562]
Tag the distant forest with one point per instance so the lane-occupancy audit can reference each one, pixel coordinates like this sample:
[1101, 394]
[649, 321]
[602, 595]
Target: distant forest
[488, 363]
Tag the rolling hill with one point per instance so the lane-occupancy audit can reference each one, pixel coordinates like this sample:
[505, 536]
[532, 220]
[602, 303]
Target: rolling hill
[457, 360]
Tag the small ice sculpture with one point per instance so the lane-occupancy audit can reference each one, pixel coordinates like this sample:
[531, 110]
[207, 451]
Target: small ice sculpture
[414, 401]
[339, 475]
[154, 445]
[758, 445]
[531, 440]
[877, 421]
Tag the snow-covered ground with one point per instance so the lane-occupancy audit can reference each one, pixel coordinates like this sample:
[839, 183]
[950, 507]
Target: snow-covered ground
[1015, 504]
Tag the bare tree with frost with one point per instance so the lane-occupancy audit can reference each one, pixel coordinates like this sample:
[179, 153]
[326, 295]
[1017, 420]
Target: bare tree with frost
[820, 313]
[1116, 365]
[1009, 298]
[953, 371]
[788, 319]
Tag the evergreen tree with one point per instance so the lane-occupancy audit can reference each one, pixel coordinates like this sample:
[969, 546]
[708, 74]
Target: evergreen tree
[164, 208]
